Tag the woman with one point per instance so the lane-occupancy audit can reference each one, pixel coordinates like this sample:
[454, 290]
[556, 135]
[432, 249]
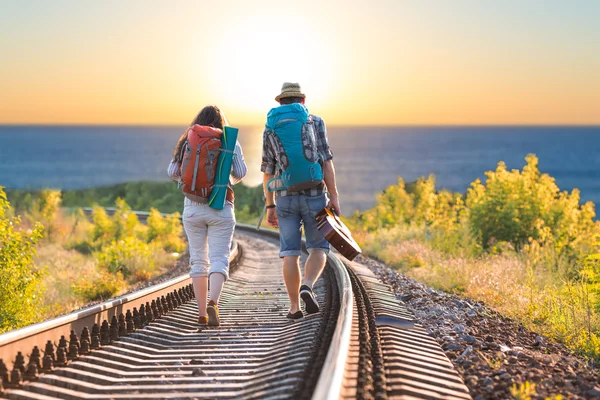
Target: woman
[209, 231]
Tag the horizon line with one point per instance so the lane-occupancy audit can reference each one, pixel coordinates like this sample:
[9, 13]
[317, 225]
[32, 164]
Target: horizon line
[407, 125]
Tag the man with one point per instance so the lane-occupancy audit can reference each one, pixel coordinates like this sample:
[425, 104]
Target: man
[289, 210]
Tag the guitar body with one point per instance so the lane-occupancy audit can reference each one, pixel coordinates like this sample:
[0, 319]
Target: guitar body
[337, 234]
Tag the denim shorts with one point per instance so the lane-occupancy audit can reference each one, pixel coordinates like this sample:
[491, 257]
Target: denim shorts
[296, 211]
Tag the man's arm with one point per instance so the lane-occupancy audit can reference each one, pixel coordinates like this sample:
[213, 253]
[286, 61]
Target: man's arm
[329, 178]
[268, 166]
[328, 168]
[270, 200]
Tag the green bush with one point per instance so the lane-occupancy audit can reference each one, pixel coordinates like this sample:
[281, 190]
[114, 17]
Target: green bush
[19, 282]
[101, 286]
[514, 241]
[166, 232]
[521, 207]
[141, 196]
[42, 206]
[127, 256]
[249, 199]
[417, 204]
[123, 223]
[121, 244]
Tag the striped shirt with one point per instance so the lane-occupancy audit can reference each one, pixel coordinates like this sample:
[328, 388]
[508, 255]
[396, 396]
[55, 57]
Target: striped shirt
[269, 158]
[238, 167]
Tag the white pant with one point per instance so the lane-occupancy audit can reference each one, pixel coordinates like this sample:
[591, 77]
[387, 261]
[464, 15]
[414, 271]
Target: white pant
[209, 233]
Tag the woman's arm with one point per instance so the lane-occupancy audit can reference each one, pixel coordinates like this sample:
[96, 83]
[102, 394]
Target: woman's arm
[174, 170]
[238, 167]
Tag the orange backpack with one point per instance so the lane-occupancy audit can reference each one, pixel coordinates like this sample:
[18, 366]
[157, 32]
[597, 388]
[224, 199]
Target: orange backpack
[199, 158]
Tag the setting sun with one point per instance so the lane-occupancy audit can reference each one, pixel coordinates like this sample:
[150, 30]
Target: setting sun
[254, 59]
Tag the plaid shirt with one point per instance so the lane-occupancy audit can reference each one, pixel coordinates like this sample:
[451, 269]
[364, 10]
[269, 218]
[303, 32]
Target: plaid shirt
[269, 159]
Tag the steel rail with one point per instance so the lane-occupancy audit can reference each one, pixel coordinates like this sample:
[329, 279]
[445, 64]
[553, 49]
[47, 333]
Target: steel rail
[24, 339]
[329, 385]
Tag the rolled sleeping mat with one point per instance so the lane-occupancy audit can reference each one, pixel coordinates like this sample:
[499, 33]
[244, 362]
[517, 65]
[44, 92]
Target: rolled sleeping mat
[219, 192]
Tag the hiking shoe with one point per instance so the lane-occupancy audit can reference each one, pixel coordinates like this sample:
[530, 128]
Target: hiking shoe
[310, 300]
[296, 315]
[213, 314]
[203, 320]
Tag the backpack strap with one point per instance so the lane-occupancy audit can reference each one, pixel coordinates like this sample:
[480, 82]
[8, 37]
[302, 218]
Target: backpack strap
[319, 157]
[196, 168]
[180, 183]
[277, 187]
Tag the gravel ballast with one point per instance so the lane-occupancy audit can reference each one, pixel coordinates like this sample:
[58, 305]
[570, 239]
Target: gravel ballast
[492, 352]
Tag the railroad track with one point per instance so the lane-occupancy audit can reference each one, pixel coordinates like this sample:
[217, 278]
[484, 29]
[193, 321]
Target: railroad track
[363, 343]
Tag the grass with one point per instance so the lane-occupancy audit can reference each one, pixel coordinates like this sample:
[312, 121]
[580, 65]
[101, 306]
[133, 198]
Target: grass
[63, 269]
[538, 297]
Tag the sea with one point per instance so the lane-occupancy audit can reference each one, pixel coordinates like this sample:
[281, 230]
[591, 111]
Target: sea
[367, 159]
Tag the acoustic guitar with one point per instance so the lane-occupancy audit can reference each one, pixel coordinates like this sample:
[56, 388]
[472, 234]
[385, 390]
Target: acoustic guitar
[337, 234]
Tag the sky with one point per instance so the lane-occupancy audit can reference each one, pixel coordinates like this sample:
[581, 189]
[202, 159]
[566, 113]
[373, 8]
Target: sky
[376, 62]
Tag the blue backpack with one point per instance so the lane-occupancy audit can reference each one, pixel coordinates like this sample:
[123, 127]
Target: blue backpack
[291, 131]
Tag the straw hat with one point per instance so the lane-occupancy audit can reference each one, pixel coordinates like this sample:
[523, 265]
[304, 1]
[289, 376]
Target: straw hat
[290, 90]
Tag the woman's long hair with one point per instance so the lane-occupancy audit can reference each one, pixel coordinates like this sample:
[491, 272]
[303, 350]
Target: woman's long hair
[208, 116]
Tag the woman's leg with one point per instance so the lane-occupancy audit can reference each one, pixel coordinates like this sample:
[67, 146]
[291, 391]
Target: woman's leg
[216, 286]
[197, 230]
[220, 234]
[200, 284]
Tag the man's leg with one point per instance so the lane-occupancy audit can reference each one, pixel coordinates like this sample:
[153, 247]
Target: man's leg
[317, 246]
[290, 239]
[314, 266]
[291, 276]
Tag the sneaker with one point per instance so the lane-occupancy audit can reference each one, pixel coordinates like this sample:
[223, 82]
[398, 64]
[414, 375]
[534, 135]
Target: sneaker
[213, 314]
[296, 315]
[203, 320]
[310, 300]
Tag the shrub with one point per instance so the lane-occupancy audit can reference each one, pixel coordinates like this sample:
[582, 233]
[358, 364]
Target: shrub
[166, 232]
[250, 197]
[417, 204]
[44, 208]
[124, 223]
[515, 241]
[521, 207]
[141, 196]
[41, 206]
[100, 286]
[126, 256]
[102, 230]
[19, 282]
